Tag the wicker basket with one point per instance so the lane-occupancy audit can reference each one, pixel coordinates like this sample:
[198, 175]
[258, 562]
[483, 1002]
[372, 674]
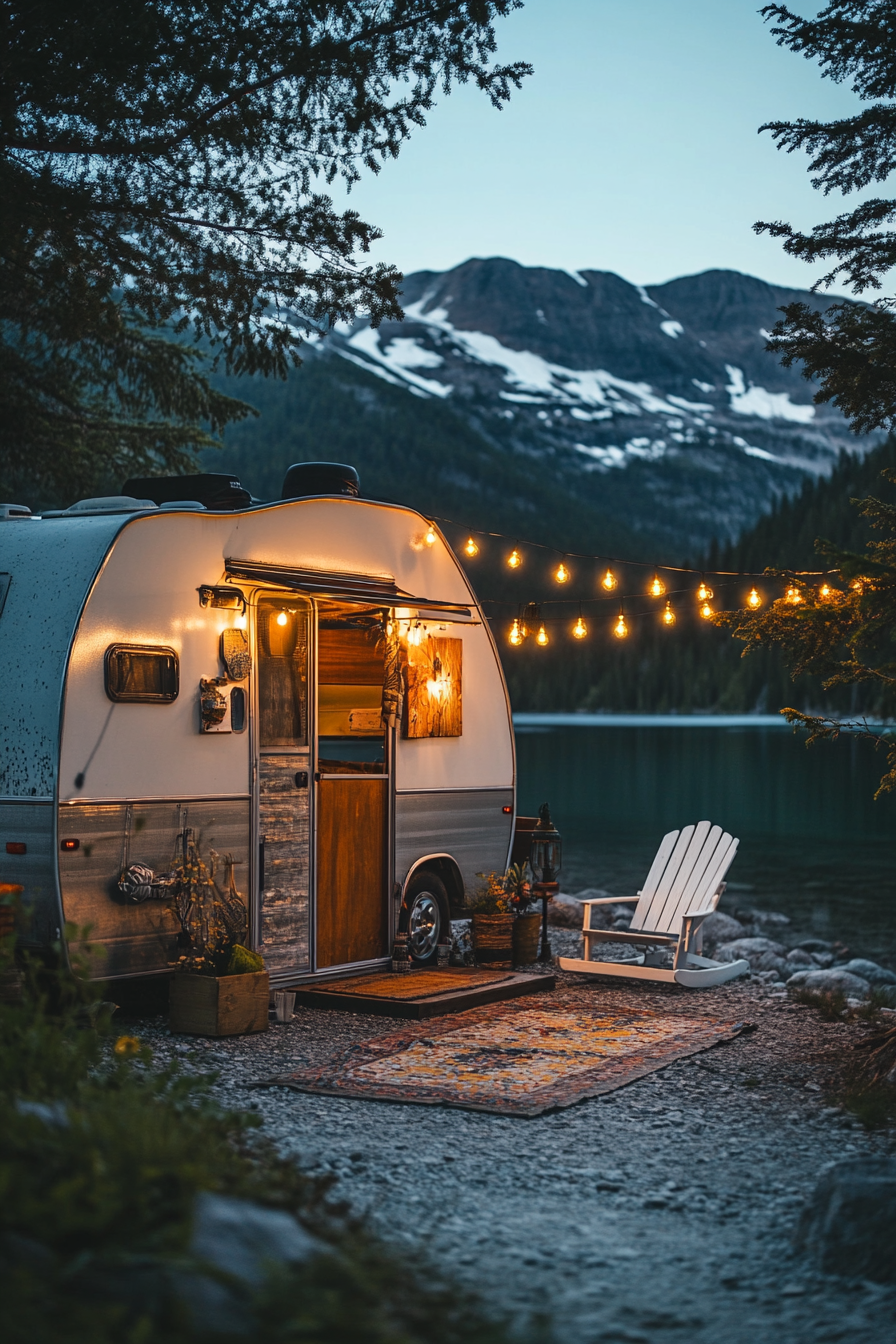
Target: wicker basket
[493, 939]
[526, 929]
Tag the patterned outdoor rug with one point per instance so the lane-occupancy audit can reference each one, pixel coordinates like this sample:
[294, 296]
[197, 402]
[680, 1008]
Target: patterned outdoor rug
[511, 1058]
[413, 985]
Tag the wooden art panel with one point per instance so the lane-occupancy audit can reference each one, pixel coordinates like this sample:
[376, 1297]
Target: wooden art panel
[435, 688]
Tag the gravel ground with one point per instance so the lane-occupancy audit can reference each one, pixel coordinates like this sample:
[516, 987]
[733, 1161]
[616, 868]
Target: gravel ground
[663, 1211]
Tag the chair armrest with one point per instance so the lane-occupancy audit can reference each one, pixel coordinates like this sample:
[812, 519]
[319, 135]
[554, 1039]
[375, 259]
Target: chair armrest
[700, 914]
[611, 900]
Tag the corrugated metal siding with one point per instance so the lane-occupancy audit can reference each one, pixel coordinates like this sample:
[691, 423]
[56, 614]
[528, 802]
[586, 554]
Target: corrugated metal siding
[468, 824]
[283, 821]
[52, 565]
[35, 870]
[139, 938]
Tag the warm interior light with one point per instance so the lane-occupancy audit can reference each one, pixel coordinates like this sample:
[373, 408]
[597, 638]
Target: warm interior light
[580, 629]
[415, 634]
[753, 599]
[620, 629]
[282, 618]
[703, 593]
[706, 611]
[668, 615]
[471, 548]
[514, 559]
[657, 587]
[609, 581]
[561, 573]
[542, 637]
[516, 635]
[793, 595]
[430, 537]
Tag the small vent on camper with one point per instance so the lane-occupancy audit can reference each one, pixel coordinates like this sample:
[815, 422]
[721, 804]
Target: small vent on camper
[215, 490]
[320, 478]
[8, 511]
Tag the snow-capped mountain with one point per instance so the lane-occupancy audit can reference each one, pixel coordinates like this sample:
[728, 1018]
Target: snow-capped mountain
[600, 374]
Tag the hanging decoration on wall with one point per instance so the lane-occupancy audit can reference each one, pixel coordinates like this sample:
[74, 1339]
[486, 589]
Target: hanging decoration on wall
[434, 688]
[235, 654]
[393, 686]
[213, 706]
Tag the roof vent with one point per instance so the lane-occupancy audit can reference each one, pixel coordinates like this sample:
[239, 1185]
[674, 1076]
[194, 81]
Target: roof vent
[320, 478]
[216, 490]
[110, 504]
[8, 511]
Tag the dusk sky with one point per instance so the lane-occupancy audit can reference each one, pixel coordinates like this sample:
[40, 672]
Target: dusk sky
[633, 148]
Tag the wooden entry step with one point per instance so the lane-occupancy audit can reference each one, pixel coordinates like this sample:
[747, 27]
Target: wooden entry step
[421, 994]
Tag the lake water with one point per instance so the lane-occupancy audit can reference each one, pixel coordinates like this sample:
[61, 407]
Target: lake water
[813, 843]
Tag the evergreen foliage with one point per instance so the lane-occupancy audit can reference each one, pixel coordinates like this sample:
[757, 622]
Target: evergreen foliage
[159, 167]
[849, 349]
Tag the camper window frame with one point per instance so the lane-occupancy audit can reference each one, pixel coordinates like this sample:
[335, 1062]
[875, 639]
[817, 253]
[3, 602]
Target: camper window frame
[145, 697]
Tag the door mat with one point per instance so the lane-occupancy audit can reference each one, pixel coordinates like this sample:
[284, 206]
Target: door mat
[513, 1059]
[413, 985]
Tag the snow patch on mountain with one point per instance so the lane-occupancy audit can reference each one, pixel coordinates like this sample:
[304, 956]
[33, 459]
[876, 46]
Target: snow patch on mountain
[757, 402]
[671, 328]
[401, 357]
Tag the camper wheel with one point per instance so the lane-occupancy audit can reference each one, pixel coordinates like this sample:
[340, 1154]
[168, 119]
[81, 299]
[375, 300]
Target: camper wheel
[426, 904]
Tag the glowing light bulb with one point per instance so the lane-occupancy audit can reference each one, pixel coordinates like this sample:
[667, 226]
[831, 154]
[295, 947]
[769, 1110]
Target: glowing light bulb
[430, 537]
[282, 618]
[415, 634]
[753, 599]
[703, 593]
[561, 573]
[620, 629]
[858, 585]
[609, 581]
[514, 559]
[542, 637]
[706, 611]
[516, 635]
[470, 547]
[793, 596]
[825, 591]
[657, 587]
[668, 614]
[580, 629]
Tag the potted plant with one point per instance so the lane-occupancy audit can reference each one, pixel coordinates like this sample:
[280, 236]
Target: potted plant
[527, 920]
[504, 930]
[220, 987]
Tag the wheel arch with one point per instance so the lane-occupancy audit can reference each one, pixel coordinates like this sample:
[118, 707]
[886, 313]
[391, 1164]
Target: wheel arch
[447, 868]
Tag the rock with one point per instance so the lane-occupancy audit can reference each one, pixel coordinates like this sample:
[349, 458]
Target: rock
[53, 1113]
[836, 981]
[749, 948]
[566, 912]
[768, 961]
[887, 993]
[870, 971]
[815, 945]
[823, 959]
[764, 917]
[721, 928]
[797, 957]
[849, 1226]
[622, 922]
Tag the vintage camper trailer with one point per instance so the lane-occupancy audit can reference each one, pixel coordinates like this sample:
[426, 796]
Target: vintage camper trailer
[308, 688]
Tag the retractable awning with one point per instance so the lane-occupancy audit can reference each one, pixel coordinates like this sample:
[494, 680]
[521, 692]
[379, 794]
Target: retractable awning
[378, 588]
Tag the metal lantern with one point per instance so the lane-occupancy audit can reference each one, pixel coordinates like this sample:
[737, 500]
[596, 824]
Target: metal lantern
[545, 856]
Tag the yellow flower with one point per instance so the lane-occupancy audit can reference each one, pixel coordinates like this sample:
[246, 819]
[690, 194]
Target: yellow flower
[126, 1046]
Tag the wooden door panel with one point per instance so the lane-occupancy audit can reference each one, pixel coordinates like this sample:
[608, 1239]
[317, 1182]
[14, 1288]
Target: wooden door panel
[352, 911]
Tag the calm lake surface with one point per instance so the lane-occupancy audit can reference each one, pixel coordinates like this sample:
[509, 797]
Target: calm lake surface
[813, 843]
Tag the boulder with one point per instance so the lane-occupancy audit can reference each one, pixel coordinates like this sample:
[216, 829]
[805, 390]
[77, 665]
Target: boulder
[836, 981]
[566, 912]
[769, 961]
[797, 957]
[815, 945]
[870, 971]
[849, 1225]
[721, 928]
[750, 949]
[765, 917]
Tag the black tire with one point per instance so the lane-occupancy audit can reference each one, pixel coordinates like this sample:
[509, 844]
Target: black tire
[426, 916]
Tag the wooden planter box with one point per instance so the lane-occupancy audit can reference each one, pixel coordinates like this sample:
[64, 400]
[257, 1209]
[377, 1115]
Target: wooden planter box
[493, 939]
[526, 930]
[224, 1005]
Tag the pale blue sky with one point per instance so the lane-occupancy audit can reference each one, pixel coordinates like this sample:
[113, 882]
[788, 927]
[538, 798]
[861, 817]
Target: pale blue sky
[633, 148]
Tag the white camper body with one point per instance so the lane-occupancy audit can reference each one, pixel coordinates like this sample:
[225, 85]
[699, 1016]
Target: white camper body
[112, 621]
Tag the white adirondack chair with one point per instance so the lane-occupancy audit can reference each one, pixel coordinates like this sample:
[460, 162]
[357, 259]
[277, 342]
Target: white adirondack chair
[684, 885]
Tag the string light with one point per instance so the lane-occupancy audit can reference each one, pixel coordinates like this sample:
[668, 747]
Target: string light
[754, 601]
[542, 637]
[657, 587]
[517, 634]
[620, 629]
[470, 547]
[514, 559]
[668, 614]
[706, 610]
[561, 573]
[430, 537]
[825, 591]
[703, 593]
[793, 596]
[580, 629]
[609, 581]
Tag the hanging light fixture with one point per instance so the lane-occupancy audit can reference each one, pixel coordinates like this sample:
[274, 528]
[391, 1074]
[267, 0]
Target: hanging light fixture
[282, 618]
[561, 573]
[793, 596]
[706, 611]
[609, 581]
[703, 592]
[657, 587]
[514, 559]
[470, 547]
[580, 629]
[754, 601]
[430, 537]
[620, 629]
[825, 591]
[542, 638]
[668, 614]
[516, 635]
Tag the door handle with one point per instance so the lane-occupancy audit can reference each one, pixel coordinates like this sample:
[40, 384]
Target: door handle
[301, 779]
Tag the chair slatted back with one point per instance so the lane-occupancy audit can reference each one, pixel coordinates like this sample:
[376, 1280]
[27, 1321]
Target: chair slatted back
[685, 875]
[652, 881]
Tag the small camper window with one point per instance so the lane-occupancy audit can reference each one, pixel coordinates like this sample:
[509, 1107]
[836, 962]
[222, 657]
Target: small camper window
[141, 674]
